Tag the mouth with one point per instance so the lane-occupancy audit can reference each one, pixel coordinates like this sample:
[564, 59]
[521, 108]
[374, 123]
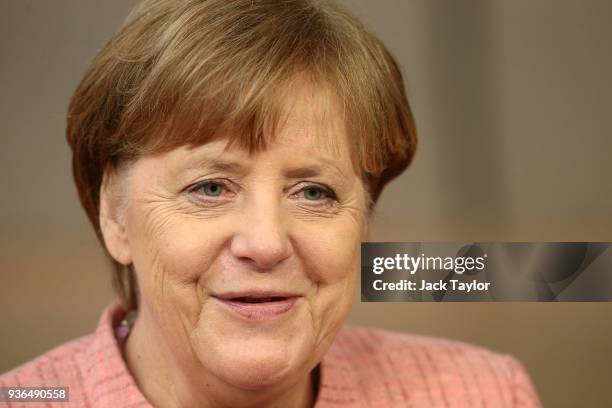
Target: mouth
[246, 299]
[258, 305]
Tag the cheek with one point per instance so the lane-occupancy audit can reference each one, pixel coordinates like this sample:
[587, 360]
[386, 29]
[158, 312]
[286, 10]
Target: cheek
[172, 253]
[331, 249]
[330, 252]
[187, 247]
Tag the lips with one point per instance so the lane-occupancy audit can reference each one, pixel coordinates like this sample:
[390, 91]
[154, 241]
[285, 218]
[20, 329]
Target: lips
[258, 305]
[246, 299]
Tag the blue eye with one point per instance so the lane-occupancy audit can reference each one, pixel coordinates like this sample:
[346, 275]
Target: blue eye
[211, 189]
[314, 193]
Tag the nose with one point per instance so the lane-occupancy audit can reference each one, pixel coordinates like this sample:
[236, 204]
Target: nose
[261, 239]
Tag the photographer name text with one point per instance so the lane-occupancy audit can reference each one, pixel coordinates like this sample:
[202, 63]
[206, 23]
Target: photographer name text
[452, 284]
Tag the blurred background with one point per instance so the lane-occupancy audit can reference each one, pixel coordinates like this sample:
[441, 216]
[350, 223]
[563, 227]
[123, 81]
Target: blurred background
[512, 101]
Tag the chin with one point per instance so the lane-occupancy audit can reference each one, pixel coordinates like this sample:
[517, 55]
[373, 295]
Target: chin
[257, 372]
[255, 361]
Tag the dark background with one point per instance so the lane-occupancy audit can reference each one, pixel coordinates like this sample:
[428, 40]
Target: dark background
[512, 100]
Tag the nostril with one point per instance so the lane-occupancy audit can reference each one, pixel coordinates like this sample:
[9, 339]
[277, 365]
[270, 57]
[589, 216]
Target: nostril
[262, 259]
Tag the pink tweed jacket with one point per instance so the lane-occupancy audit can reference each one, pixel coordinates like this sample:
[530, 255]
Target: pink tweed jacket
[363, 368]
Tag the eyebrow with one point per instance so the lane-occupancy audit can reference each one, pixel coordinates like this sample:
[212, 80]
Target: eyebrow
[307, 171]
[226, 166]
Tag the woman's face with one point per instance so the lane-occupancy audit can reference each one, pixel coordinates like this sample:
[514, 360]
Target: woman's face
[247, 263]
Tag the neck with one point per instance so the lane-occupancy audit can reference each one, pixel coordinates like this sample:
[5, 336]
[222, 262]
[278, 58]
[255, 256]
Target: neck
[168, 381]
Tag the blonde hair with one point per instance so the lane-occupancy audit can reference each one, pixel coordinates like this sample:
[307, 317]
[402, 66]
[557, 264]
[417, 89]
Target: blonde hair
[178, 72]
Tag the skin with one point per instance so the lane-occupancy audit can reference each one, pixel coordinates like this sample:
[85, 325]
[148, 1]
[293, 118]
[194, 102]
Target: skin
[197, 222]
